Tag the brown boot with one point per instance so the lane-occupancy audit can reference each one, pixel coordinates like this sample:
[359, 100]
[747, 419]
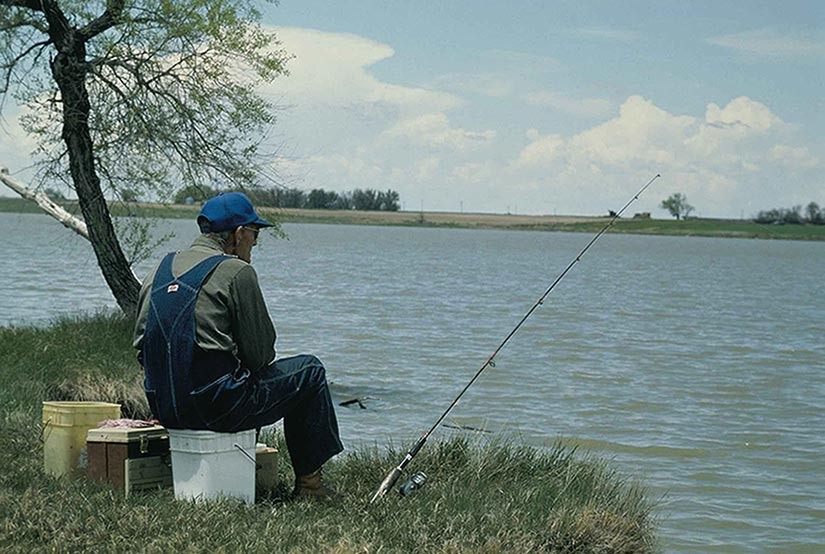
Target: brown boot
[312, 486]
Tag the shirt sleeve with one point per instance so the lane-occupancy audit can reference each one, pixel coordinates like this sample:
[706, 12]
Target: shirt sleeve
[143, 309]
[252, 327]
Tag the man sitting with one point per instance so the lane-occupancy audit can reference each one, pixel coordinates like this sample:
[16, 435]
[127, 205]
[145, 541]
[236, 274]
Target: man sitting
[207, 346]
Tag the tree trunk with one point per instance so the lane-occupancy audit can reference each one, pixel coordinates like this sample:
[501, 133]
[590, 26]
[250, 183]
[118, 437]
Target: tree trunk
[69, 71]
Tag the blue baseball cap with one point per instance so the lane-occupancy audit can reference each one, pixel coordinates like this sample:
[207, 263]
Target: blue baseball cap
[228, 211]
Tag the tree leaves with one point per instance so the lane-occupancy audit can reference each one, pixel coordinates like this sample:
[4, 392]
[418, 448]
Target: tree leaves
[677, 205]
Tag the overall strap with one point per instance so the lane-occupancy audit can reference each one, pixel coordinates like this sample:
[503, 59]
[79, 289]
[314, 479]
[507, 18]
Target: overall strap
[193, 278]
[163, 275]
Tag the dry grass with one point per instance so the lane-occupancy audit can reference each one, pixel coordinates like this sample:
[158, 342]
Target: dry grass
[441, 219]
[126, 392]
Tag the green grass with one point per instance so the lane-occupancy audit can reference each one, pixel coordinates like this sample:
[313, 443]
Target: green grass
[493, 496]
[727, 228]
[723, 228]
[18, 205]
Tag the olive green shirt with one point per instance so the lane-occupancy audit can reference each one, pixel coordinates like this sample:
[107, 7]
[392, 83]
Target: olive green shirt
[230, 312]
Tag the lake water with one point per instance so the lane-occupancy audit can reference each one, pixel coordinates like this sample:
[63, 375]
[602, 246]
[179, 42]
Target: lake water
[697, 365]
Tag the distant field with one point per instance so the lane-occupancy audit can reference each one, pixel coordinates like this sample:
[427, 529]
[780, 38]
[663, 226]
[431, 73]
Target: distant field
[693, 227]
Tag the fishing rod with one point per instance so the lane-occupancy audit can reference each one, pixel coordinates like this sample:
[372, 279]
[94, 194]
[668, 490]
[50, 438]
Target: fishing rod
[392, 477]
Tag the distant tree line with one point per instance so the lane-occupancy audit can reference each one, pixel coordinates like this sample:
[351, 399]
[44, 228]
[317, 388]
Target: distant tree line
[812, 214]
[316, 199]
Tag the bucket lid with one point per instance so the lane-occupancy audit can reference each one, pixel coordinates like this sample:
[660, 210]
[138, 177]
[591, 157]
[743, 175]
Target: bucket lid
[126, 434]
[204, 442]
[78, 413]
[77, 405]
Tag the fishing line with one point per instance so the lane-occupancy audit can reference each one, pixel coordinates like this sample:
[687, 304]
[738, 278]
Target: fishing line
[391, 478]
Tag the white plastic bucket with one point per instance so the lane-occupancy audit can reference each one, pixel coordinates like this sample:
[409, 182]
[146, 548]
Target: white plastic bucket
[208, 465]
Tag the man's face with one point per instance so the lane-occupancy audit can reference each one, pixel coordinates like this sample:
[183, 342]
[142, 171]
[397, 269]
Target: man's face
[245, 238]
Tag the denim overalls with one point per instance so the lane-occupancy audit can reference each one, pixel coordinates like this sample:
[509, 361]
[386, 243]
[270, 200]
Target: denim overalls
[188, 388]
[169, 345]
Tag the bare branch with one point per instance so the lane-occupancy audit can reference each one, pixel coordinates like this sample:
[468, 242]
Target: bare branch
[46, 204]
[10, 66]
[109, 18]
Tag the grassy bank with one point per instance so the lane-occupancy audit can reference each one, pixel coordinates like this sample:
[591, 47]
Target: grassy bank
[480, 497]
[576, 224]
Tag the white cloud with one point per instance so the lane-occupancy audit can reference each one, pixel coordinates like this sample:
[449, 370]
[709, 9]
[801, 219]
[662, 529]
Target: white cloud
[742, 111]
[332, 69]
[541, 150]
[476, 172]
[434, 130]
[348, 128]
[645, 135]
[641, 134]
[427, 168]
[772, 43]
[583, 107]
[724, 159]
[792, 156]
[729, 135]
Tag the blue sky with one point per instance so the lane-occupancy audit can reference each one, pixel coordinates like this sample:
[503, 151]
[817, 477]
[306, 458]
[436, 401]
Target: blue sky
[553, 107]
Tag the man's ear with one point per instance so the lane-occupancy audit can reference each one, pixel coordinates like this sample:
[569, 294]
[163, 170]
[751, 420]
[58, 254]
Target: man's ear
[232, 241]
[236, 234]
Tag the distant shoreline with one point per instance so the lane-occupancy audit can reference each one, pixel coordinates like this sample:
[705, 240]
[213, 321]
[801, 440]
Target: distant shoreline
[727, 228]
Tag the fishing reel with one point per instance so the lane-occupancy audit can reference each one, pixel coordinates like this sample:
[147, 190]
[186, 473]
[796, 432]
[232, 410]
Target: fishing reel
[415, 482]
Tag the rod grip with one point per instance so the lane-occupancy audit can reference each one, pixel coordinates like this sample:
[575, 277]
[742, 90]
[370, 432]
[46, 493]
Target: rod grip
[387, 484]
